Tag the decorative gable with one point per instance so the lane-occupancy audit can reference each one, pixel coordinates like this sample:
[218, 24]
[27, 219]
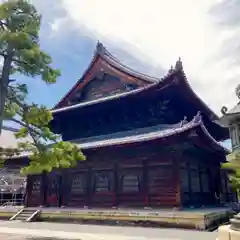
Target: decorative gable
[102, 85]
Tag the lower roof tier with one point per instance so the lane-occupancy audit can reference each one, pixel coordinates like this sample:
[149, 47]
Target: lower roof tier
[194, 131]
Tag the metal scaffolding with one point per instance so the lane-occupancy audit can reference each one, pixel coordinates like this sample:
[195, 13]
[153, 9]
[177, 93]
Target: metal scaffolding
[12, 187]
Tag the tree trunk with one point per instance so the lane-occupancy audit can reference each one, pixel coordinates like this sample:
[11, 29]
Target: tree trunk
[4, 83]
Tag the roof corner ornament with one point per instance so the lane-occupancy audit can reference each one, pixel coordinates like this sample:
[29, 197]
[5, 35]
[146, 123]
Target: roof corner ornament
[171, 69]
[184, 121]
[198, 117]
[179, 65]
[224, 110]
[100, 49]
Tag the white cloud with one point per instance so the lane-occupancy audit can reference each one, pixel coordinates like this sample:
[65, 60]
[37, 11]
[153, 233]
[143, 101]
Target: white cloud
[165, 30]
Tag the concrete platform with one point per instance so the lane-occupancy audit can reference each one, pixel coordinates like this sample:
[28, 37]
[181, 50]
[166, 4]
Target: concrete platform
[55, 231]
[201, 219]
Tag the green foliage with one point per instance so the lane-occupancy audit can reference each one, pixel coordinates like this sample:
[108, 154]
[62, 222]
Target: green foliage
[21, 53]
[233, 167]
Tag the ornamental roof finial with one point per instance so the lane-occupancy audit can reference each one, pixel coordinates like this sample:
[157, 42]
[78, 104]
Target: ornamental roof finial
[179, 65]
[100, 48]
[184, 121]
[171, 69]
[197, 118]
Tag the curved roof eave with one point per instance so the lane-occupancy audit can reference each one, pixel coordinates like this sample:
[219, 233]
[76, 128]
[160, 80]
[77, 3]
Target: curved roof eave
[212, 139]
[183, 127]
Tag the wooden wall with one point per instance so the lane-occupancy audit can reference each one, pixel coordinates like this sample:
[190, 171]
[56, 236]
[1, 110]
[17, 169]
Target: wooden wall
[136, 176]
[118, 177]
[202, 182]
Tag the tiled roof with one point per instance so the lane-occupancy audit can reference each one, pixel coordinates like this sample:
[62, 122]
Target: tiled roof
[141, 137]
[105, 54]
[138, 137]
[148, 136]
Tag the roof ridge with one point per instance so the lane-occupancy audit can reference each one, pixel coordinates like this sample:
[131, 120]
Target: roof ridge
[102, 50]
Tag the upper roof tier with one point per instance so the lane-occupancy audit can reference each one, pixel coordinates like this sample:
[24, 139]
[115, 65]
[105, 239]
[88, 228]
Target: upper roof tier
[104, 62]
[108, 80]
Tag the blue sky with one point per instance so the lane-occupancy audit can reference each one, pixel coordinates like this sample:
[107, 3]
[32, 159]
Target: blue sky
[147, 35]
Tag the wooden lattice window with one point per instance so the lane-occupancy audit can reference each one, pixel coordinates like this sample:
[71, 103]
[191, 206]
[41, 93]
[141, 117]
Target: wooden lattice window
[130, 182]
[78, 184]
[36, 188]
[54, 186]
[102, 182]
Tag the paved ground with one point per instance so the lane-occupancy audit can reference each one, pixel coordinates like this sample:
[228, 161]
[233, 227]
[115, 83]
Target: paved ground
[18, 230]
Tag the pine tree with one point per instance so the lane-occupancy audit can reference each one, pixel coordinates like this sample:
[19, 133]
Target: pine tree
[21, 54]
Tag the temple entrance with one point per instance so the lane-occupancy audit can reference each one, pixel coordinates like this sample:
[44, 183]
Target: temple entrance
[33, 195]
[161, 190]
[53, 193]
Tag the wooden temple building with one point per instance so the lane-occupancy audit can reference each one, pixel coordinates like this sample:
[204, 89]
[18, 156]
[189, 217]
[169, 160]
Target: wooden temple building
[149, 142]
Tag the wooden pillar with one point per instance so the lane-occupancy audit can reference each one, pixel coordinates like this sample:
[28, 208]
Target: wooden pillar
[115, 186]
[145, 184]
[60, 188]
[44, 186]
[28, 191]
[200, 184]
[177, 178]
[65, 187]
[89, 187]
[189, 182]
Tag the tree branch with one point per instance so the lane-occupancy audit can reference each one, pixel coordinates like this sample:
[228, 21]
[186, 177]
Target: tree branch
[3, 25]
[20, 61]
[25, 125]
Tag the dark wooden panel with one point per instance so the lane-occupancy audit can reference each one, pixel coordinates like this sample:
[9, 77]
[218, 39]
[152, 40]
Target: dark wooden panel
[53, 190]
[161, 186]
[103, 194]
[131, 191]
[78, 186]
[34, 191]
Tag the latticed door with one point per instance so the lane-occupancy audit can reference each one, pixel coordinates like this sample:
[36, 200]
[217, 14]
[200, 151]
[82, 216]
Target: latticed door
[53, 190]
[34, 191]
